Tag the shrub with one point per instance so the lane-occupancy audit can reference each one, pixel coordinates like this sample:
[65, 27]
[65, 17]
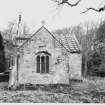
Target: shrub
[96, 63]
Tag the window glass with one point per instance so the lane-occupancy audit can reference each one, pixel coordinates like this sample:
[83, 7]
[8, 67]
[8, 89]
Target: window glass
[47, 64]
[42, 64]
[38, 64]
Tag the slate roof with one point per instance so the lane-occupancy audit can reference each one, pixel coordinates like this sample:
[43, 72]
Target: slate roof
[71, 43]
[68, 42]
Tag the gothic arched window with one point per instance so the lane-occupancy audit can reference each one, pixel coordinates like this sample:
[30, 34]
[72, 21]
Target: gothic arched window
[42, 63]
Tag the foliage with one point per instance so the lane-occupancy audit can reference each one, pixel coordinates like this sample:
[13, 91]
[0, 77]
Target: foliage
[2, 55]
[96, 66]
[96, 61]
[88, 91]
[9, 53]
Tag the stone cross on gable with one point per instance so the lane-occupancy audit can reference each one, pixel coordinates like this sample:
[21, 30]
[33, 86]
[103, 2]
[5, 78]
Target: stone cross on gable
[20, 17]
[43, 22]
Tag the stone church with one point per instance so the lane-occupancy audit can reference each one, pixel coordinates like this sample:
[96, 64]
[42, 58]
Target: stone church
[46, 58]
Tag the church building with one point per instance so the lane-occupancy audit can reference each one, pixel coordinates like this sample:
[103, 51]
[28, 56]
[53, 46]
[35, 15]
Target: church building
[46, 58]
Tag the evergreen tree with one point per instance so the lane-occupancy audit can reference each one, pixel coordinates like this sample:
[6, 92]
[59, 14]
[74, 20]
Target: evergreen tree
[2, 55]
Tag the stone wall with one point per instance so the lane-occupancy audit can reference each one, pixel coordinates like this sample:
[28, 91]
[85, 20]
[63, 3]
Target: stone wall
[69, 66]
[75, 63]
[42, 41]
[57, 73]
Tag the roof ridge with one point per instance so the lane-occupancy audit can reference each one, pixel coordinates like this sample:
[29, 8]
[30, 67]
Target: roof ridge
[50, 34]
[68, 50]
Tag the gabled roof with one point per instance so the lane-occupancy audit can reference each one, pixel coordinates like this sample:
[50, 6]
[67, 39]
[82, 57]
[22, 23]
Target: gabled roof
[68, 42]
[30, 37]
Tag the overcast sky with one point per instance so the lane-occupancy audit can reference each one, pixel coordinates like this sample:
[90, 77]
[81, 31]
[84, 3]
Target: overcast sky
[34, 11]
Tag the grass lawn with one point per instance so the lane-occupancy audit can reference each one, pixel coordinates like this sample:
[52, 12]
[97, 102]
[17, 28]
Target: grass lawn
[83, 92]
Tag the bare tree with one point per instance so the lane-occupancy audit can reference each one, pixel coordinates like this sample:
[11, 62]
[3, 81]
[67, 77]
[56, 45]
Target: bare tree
[88, 41]
[62, 2]
[66, 2]
[94, 9]
[7, 33]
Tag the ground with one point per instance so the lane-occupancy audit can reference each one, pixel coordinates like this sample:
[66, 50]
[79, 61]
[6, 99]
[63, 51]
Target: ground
[82, 92]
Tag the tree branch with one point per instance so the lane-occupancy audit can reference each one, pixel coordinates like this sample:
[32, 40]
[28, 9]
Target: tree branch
[97, 10]
[66, 2]
[72, 5]
[61, 2]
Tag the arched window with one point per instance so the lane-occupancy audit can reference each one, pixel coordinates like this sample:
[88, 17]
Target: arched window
[42, 64]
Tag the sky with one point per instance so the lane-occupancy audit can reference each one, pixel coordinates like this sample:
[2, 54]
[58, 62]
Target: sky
[34, 11]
